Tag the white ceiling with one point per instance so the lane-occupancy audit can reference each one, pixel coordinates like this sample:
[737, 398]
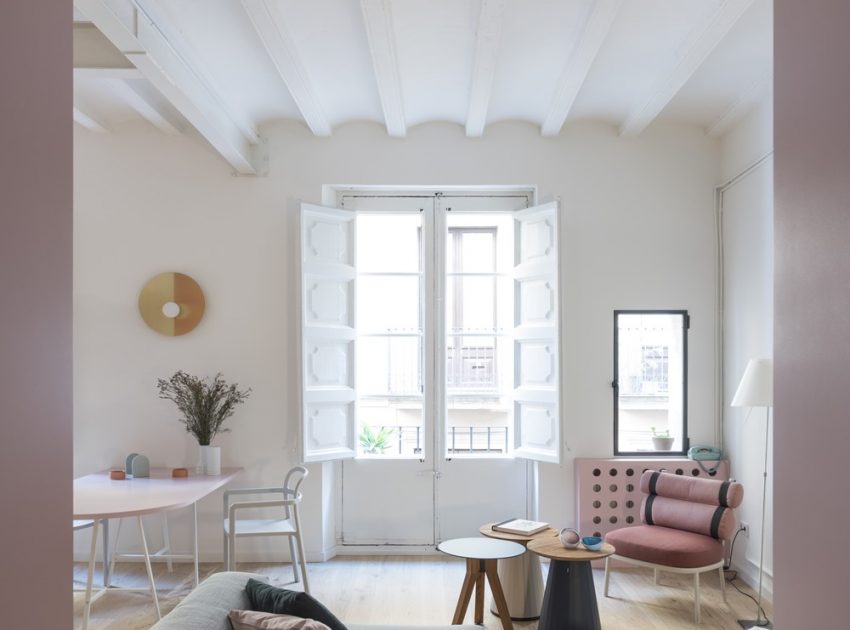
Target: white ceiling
[235, 65]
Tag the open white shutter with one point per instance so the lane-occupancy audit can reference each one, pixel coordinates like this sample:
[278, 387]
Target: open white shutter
[328, 280]
[537, 425]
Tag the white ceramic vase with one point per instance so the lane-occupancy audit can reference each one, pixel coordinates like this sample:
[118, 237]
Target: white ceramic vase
[209, 462]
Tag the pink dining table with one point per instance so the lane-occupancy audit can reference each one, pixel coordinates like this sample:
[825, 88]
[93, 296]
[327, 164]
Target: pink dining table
[99, 498]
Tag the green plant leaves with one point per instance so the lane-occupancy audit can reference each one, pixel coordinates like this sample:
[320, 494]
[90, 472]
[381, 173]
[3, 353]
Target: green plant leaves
[205, 405]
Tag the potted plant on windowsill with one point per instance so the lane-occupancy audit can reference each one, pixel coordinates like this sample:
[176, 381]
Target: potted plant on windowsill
[205, 406]
[662, 440]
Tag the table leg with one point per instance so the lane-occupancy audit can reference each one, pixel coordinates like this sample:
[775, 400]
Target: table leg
[479, 594]
[522, 581]
[166, 542]
[570, 599]
[469, 581]
[107, 577]
[90, 578]
[195, 539]
[149, 569]
[492, 570]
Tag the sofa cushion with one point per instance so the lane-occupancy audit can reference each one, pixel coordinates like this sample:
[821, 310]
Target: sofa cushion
[267, 598]
[665, 546]
[207, 606]
[256, 620]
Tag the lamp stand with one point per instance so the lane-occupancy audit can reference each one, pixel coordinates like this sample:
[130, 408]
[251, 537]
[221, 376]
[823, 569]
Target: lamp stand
[761, 621]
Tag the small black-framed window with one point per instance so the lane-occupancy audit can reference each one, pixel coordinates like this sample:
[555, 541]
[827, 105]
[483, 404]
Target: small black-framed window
[650, 383]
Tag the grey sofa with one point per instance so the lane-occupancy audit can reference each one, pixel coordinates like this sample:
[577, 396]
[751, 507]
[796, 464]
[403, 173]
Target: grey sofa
[207, 606]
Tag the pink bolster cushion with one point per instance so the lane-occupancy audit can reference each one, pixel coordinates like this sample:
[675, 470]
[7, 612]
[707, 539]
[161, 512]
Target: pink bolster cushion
[709, 520]
[707, 491]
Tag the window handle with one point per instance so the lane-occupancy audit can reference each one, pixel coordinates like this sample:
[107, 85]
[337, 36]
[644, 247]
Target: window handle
[615, 384]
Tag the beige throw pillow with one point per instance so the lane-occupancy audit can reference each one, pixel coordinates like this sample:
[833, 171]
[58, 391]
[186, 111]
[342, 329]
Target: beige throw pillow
[255, 620]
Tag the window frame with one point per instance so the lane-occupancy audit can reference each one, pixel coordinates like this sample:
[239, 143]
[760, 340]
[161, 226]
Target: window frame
[615, 387]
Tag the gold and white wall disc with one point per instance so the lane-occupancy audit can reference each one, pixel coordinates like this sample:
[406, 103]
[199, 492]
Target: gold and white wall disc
[172, 303]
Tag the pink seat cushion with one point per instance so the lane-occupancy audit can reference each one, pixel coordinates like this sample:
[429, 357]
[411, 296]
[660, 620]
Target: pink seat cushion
[666, 546]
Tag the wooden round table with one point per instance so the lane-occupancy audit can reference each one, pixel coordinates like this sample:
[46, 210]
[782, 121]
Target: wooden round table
[521, 577]
[481, 555]
[570, 599]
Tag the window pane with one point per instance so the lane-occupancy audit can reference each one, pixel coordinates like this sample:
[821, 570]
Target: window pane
[478, 252]
[389, 343]
[390, 427]
[471, 303]
[389, 366]
[388, 242]
[388, 304]
[471, 364]
[650, 378]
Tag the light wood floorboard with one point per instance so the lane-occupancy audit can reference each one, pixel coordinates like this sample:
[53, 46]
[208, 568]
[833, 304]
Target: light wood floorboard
[410, 590]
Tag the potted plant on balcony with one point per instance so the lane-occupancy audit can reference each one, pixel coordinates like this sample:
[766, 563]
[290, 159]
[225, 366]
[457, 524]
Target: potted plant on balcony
[205, 406]
[375, 442]
[662, 440]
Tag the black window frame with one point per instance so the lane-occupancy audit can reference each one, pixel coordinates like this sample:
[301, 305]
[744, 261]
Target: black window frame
[615, 387]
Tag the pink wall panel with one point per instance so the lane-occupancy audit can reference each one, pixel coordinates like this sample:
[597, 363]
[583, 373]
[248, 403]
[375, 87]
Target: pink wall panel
[35, 313]
[812, 306]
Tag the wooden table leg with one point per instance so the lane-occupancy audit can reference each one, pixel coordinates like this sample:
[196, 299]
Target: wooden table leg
[469, 582]
[479, 593]
[492, 571]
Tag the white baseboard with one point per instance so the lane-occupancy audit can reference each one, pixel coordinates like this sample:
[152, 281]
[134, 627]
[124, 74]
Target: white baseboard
[246, 556]
[748, 571]
[385, 550]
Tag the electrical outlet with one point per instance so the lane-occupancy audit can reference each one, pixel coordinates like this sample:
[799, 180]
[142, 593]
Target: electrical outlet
[745, 527]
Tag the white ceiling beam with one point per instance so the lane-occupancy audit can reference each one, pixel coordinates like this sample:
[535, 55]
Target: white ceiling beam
[88, 120]
[97, 72]
[282, 50]
[379, 31]
[145, 107]
[596, 28]
[174, 35]
[93, 50]
[737, 110]
[134, 34]
[694, 51]
[487, 38]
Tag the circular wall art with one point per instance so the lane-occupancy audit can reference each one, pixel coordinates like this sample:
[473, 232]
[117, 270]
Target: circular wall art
[171, 303]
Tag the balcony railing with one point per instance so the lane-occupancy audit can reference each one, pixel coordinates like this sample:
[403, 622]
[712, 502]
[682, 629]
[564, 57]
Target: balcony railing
[407, 440]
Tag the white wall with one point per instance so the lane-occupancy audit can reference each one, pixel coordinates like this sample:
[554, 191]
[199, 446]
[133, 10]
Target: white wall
[748, 318]
[638, 232]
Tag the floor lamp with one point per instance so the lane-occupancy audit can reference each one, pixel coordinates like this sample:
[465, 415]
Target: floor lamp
[756, 390]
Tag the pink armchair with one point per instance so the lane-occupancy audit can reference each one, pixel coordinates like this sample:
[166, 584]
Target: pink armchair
[685, 523]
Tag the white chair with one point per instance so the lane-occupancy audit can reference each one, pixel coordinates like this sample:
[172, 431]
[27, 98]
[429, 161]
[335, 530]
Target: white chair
[289, 525]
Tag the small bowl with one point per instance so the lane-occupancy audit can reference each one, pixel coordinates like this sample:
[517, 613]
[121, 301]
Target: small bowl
[569, 538]
[592, 543]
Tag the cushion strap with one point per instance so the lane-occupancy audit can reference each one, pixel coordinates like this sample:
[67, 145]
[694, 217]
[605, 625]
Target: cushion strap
[715, 522]
[653, 480]
[647, 512]
[724, 493]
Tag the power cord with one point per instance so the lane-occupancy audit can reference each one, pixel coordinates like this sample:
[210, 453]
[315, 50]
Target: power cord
[731, 580]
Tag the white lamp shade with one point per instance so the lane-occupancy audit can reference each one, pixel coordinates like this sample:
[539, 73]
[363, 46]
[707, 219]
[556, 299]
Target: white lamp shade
[756, 387]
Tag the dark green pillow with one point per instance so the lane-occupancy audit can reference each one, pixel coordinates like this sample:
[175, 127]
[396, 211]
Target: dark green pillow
[280, 601]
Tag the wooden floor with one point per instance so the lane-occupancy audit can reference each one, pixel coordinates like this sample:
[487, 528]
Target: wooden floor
[409, 590]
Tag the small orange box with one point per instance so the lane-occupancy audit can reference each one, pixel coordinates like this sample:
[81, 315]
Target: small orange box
[180, 473]
[117, 475]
